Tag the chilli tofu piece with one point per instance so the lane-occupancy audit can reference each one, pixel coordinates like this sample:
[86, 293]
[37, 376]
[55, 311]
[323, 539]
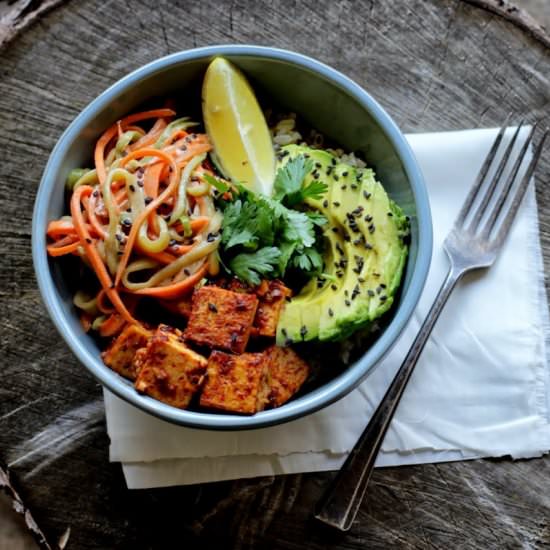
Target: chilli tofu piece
[119, 356]
[221, 318]
[168, 370]
[271, 302]
[236, 383]
[287, 373]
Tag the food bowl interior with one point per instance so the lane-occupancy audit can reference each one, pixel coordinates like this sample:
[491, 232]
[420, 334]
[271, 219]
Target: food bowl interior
[332, 105]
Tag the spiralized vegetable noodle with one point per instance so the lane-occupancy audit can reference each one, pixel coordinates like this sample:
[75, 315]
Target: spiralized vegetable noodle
[143, 219]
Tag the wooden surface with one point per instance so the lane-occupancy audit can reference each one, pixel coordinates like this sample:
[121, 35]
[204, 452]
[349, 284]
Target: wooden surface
[434, 65]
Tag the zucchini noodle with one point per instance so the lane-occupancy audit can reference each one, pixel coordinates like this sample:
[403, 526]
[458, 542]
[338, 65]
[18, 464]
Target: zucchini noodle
[181, 203]
[178, 124]
[86, 303]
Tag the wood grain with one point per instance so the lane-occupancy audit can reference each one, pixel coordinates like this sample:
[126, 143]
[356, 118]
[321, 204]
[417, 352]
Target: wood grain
[434, 65]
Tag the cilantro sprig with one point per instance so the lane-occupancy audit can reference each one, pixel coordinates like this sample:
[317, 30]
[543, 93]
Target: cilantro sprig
[265, 237]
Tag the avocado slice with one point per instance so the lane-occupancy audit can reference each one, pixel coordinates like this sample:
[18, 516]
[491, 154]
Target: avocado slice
[364, 259]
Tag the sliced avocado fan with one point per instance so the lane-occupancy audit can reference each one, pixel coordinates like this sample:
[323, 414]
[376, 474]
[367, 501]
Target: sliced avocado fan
[364, 256]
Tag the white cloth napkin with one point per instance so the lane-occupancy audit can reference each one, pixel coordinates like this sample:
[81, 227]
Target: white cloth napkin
[481, 388]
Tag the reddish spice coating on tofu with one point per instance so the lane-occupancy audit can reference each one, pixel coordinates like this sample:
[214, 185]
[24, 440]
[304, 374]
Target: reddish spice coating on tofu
[119, 355]
[221, 318]
[168, 370]
[236, 383]
[272, 300]
[287, 373]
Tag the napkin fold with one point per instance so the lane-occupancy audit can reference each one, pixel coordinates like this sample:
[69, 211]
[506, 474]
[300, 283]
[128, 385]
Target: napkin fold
[481, 387]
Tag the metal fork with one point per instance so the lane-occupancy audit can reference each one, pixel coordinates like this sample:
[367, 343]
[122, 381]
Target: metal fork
[474, 242]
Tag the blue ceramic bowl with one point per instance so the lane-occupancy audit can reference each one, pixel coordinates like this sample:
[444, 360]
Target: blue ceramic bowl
[329, 102]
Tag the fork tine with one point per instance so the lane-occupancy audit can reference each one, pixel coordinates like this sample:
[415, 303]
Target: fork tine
[520, 192]
[494, 182]
[481, 175]
[508, 185]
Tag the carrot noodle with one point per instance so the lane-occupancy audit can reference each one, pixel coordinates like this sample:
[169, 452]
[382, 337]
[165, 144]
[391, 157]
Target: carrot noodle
[139, 220]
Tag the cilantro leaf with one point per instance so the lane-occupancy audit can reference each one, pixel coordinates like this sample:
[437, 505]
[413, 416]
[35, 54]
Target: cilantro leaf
[299, 227]
[289, 177]
[309, 261]
[314, 190]
[316, 218]
[249, 267]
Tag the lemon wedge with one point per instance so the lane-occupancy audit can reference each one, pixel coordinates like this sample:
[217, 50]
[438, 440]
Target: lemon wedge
[237, 128]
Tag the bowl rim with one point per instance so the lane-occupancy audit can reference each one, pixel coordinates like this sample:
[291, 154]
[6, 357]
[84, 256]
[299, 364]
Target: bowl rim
[310, 402]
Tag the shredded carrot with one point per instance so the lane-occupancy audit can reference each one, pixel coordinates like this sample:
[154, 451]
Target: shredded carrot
[174, 180]
[150, 137]
[112, 325]
[92, 254]
[109, 134]
[55, 250]
[176, 289]
[109, 245]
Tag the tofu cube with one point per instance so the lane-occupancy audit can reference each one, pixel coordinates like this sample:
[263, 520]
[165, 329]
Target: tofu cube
[236, 383]
[119, 355]
[221, 318]
[168, 370]
[270, 305]
[287, 373]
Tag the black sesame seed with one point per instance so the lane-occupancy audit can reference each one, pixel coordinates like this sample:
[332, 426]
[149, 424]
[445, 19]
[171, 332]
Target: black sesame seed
[366, 194]
[346, 293]
[126, 222]
[333, 160]
[303, 331]
[382, 285]
[347, 302]
[128, 209]
[339, 249]
[361, 279]
[368, 246]
[390, 214]
[335, 230]
[344, 174]
[357, 242]
[325, 203]
[212, 308]
[89, 241]
[118, 237]
[375, 274]
[383, 298]
[371, 228]
[339, 274]
[140, 183]
[344, 187]
[336, 178]
[334, 287]
[370, 292]
[318, 165]
[354, 186]
[378, 289]
[329, 170]
[148, 200]
[211, 237]
[132, 188]
[347, 238]
[284, 332]
[173, 242]
[95, 193]
[187, 272]
[336, 204]
[330, 312]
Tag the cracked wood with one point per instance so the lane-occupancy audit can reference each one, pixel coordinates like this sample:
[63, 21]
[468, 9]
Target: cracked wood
[434, 65]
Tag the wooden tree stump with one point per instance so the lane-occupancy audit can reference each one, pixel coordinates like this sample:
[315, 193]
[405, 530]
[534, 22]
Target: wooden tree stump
[434, 65]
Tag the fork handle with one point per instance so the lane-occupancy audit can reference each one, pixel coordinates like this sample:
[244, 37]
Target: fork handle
[342, 499]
